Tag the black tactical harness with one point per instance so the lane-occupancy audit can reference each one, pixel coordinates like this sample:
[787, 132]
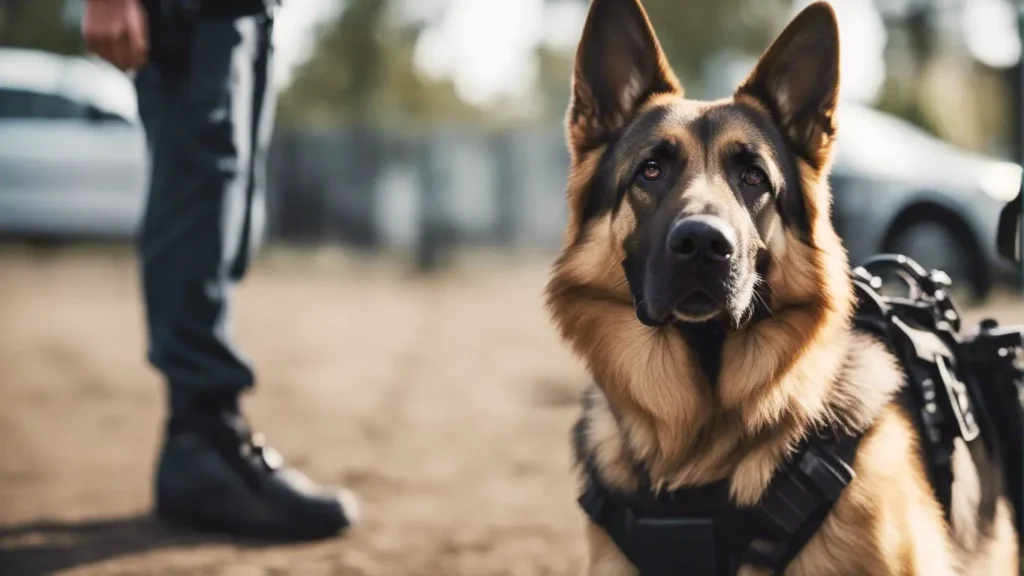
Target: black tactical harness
[699, 531]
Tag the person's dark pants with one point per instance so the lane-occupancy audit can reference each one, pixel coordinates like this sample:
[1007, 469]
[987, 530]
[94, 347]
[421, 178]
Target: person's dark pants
[208, 125]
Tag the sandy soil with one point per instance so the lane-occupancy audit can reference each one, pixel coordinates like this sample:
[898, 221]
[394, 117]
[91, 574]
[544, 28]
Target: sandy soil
[445, 403]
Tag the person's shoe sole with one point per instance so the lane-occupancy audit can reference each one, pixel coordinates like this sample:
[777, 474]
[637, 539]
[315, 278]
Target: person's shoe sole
[309, 531]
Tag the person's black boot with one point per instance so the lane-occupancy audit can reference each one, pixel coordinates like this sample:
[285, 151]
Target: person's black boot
[216, 475]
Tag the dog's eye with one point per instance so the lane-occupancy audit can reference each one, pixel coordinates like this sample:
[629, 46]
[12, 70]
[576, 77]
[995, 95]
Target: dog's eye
[651, 170]
[754, 177]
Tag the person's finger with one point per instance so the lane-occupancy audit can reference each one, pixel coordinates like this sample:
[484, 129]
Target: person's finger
[96, 32]
[101, 39]
[103, 46]
[138, 37]
[94, 38]
[120, 50]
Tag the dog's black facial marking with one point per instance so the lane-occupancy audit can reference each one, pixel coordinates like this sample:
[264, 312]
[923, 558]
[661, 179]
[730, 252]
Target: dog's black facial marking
[635, 269]
[787, 194]
[793, 210]
[602, 194]
[707, 340]
[703, 126]
[605, 191]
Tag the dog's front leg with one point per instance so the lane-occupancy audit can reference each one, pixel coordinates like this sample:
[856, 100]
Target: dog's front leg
[603, 557]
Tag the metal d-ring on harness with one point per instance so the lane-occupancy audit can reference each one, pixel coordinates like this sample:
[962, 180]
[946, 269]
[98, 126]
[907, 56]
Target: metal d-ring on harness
[698, 531]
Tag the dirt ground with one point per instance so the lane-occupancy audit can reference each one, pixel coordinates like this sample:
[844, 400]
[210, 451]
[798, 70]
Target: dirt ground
[445, 403]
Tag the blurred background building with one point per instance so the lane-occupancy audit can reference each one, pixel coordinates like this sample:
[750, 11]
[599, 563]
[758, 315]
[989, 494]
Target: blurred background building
[416, 127]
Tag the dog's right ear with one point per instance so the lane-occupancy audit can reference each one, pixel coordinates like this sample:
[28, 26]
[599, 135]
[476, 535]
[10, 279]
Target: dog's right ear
[619, 65]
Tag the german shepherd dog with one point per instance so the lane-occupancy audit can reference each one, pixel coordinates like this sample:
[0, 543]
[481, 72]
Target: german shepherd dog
[705, 288]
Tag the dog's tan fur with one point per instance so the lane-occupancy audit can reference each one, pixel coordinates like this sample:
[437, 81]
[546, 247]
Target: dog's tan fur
[801, 367]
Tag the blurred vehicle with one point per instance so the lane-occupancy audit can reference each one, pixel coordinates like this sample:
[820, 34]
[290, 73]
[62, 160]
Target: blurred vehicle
[899, 189]
[72, 154]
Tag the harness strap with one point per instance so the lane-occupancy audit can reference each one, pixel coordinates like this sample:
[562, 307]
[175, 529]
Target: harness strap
[799, 499]
[698, 531]
[922, 332]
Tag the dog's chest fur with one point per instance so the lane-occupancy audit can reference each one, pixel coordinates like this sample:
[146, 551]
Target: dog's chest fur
[619, 441]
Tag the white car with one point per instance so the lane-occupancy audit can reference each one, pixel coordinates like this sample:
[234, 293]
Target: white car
[72, 150]
[901, 190]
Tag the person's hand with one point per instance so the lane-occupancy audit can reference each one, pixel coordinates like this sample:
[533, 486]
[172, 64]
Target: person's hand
[116, 31]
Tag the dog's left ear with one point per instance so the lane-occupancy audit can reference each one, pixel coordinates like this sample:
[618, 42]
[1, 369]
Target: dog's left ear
[797, 78]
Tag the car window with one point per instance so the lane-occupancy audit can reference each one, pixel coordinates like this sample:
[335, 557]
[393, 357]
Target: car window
[25, 104]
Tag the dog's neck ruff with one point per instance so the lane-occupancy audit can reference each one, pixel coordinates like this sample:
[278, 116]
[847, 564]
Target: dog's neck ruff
[699, 531]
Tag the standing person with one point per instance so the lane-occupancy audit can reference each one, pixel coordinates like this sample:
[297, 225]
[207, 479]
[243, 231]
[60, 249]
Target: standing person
[207, 104]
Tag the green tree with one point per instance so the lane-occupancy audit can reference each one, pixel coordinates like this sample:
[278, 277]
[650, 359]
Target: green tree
[933, 82]
[362, 71]
[691, 30]
[555, 69]
[40, 24]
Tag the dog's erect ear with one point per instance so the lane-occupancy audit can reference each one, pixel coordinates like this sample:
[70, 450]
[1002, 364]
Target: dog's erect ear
[797, 78]
[619, 65]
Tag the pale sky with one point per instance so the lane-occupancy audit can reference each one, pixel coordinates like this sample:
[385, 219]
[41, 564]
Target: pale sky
[293, 33]
[486, 46]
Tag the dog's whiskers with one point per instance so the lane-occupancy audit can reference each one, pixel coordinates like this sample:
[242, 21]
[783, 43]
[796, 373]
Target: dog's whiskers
[765, 304]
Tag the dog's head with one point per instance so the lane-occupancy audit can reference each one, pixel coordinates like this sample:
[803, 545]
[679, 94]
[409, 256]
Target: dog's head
[694, 199]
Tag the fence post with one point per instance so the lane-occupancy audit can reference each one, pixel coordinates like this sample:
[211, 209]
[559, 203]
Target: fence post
[506, 187]
[431, 243]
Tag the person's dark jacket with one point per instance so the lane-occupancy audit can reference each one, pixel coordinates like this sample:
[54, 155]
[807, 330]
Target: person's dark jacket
[171, 23]
[207, 8]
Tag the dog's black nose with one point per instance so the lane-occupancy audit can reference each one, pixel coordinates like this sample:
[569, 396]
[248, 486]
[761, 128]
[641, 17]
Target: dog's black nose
[702, 238]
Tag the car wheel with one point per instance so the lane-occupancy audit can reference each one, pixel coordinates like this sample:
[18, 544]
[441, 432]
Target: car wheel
[935, 246]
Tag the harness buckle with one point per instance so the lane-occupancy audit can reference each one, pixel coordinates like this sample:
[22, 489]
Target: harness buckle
[658, 546]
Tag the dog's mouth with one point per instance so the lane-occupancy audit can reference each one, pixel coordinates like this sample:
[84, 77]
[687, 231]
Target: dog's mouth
[696, 306]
